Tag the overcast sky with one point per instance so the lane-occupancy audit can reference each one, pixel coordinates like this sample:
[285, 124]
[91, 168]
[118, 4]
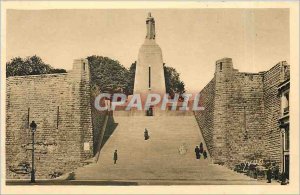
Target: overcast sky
[191, 39]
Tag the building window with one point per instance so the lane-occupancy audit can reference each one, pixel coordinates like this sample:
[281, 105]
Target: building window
[287, 140]
[285, 103]
[221, 66]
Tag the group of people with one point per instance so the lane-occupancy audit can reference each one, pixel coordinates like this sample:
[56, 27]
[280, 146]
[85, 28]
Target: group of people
[273, 172]
[200, 150]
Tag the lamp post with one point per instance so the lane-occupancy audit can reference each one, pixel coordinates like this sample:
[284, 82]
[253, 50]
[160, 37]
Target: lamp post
[33, 127]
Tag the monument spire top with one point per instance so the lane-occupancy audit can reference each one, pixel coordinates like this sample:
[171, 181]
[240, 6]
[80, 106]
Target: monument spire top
[149, 73]
[150, 23]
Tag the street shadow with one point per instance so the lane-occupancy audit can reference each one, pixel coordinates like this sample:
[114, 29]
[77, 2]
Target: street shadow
[110, 128]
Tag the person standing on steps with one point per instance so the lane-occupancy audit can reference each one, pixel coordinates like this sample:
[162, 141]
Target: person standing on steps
[205, 154]
[146, 135]
[115, 156]
[201, 145]
[197, 151]
[201, 148]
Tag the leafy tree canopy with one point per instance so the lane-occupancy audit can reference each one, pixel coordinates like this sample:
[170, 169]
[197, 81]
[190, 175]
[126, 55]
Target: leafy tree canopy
[32, 65]
[173, 82]
[130, 80]
[107, 75]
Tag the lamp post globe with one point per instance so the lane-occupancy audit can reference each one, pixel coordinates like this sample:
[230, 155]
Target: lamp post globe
[33, 126]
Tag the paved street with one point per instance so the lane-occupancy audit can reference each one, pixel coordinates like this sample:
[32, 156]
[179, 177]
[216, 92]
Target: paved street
[137, 182]
[156, 161]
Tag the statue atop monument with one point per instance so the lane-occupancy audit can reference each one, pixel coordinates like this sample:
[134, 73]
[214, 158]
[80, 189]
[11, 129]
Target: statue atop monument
[149, 73]
[150, 23]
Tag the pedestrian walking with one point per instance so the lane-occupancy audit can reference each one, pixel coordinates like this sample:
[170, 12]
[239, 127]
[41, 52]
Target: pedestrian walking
[115, 157]
[197, 151]
[146, 135]
[205, 154]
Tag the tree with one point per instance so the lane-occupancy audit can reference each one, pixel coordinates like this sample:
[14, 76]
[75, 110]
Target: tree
[108, 75]
[173, 82]
[32, 65]
[131, 77]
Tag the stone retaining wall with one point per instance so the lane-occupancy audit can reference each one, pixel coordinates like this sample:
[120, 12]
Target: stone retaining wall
[240, 120]
[60, 106]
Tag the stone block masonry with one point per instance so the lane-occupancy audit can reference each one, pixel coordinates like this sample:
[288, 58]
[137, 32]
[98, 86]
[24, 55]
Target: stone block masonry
[206, 119]
[240, 120]
[272, 79]
[60, 106]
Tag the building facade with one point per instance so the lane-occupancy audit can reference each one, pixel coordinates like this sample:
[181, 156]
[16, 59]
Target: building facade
[284, 125]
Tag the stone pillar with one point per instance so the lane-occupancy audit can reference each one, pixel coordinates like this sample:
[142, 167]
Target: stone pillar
[223, 76]
[80, 76]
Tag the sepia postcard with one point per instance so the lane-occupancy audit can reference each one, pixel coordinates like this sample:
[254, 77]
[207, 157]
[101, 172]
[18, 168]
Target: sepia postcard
[102, 97]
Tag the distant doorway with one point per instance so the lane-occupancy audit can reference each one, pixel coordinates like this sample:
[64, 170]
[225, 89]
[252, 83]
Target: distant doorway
[149, 112]
[287, 166]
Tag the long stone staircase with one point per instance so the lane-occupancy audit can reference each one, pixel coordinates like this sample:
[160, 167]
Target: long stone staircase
[158, 158]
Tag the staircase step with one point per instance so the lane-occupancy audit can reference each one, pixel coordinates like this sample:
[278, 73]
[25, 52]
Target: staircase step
[156, 158]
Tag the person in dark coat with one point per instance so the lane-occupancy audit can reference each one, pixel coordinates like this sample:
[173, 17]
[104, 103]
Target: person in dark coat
[201, 148]
[115, 156]
[146, 135]
[197, 151]
[201, 145]
[269, 175]
[205, 154]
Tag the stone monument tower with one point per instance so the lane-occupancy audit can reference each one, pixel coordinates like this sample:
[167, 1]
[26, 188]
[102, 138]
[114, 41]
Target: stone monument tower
[149, 74]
